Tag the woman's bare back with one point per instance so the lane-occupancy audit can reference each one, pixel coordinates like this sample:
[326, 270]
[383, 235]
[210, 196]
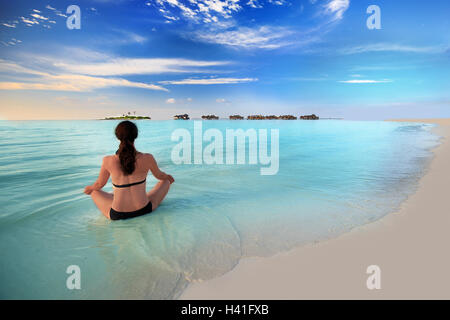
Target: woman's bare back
[134, 197]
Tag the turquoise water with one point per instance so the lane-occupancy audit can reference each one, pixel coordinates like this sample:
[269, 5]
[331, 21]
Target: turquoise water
[333, 176]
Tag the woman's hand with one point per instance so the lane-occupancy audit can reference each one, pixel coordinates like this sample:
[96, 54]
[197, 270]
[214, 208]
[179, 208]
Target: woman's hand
[170, 178]
[89, 189]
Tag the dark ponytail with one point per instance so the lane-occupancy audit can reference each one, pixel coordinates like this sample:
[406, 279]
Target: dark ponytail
[127, 132]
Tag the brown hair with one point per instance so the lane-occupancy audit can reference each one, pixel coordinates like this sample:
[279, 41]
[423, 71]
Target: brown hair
[127, 132]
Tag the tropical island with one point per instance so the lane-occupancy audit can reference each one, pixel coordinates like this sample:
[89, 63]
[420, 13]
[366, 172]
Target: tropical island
[256, 117]
[271, 117]
[181, 117]
[128, 116]
[210, 117]
[309, 117]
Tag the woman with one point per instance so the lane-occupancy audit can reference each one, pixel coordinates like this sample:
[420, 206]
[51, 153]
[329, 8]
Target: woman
[128, 169]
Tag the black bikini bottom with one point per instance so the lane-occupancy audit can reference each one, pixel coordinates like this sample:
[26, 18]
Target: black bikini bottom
[117, 215]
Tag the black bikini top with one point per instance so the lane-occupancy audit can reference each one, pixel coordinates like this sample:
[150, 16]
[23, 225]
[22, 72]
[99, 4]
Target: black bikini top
[128, 185]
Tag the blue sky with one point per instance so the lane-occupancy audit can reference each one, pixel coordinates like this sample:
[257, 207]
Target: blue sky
[163, 57]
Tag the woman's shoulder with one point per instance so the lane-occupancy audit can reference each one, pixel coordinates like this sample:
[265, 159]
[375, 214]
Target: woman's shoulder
[145, 155]
[146, 158]
[109, 159]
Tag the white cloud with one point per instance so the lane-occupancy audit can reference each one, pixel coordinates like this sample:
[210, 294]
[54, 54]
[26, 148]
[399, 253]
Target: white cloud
[336, 8]
[199, 10]
[386, 47]
[37, 16]
[222, 100]
[11, 67]
[224, 7]
[171, 18]
[124, 66]
[64, 82]
[209, 81]
[186, 11]
[11, 42]
[179, 101]
[263, 37]
[77, 55]
[75, 83]
[208, 11]
[360, 81]
[134, 37]
[220, 26]
[9, 25]
[56, 11]
[278, 2]
[254, 4]
[119, 36]
[29, 22]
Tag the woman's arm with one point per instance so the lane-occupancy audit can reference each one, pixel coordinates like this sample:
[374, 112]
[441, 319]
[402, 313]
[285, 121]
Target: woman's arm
[101, 180]
[157, 173]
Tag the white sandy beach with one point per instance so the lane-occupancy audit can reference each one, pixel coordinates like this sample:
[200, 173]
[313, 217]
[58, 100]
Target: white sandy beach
[410, 246]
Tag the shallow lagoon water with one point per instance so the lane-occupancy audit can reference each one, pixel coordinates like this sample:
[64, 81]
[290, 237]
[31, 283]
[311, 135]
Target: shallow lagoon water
[333, 176]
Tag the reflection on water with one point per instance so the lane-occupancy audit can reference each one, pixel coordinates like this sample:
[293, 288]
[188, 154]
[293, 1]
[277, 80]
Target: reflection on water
[333, 176]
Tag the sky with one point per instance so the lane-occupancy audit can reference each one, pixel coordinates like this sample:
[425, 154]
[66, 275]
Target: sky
[159, 58]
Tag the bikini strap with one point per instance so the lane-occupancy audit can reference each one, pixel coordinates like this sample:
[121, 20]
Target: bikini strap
[128, 185]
